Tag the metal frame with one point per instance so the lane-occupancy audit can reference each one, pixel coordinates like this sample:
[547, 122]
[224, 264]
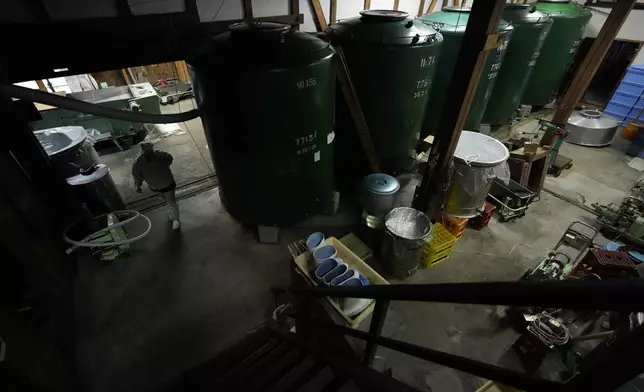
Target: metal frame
[612, 368]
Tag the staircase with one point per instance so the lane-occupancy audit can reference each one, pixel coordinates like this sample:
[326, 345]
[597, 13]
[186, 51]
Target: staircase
[276, 360]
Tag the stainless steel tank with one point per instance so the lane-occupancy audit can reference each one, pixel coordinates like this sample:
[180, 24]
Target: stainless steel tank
[591, 128]
[478, 160]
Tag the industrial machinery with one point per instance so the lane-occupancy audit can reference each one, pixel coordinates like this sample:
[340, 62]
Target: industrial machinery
[558, 50]
[451, 23]
[531, 28]
[566, 254]
[136, 97]
[627, 218]
[266, 96]
[392, 61]
[591, 128]
[556, 163]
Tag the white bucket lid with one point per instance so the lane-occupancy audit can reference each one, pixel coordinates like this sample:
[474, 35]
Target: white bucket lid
[476, 149]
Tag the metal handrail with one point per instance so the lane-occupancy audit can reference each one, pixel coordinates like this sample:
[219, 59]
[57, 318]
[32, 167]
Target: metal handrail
[618, 295]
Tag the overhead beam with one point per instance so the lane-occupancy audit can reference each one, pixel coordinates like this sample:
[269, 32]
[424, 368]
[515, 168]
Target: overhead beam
[294, 9]
[333, 12]
[320, 19]
[589, 66]
[396, 5]
[421, 7]
[481, 35]
[247, 7]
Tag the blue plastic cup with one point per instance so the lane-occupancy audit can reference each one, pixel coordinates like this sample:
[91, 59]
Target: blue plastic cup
[314, 241]
[323, 253]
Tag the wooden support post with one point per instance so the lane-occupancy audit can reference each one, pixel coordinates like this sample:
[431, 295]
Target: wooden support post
[445, 2]
[366, 5]
[334, 11]
[349, 92]
[480, 34]
[396, 5]
[432, 5]
[589, 66]
[126, 75]
[457, 3]
[320, 19]
[41, 85]
[421, 7]
[247, 7]
[294, 9]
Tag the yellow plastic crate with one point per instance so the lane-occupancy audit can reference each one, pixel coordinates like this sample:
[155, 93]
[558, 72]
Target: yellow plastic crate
[440, 248]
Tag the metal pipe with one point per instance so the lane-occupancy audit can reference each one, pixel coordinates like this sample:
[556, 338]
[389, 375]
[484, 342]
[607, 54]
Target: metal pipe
[574, 294]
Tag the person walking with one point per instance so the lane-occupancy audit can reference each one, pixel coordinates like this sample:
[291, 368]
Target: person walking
[153, 167]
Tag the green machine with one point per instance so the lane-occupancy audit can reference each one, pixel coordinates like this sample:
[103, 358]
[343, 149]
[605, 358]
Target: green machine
[139, 97]
[558, 50]
[531, 28]
[451, 23]
[392, 61]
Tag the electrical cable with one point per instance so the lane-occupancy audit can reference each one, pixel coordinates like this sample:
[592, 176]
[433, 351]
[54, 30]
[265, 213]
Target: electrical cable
[90, 108]
[549, 330]
[84, 242]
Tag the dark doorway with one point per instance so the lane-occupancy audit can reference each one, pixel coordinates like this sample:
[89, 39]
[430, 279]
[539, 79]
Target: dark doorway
[619, 57]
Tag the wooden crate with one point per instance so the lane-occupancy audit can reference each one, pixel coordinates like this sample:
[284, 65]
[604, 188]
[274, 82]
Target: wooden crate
[530, 169]
[304, 265]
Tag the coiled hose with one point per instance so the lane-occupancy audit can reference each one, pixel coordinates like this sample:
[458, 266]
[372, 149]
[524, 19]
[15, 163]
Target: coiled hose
[90, 108]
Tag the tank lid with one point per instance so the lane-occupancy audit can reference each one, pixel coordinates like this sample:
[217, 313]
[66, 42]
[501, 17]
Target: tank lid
[60, 139]
[261, 29]
[99, 171]
[465, 10]
[476, 149]
[592, 119]
[381, 184]
[383, 15]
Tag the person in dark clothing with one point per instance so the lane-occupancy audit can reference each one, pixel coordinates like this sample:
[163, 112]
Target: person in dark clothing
[153, 167]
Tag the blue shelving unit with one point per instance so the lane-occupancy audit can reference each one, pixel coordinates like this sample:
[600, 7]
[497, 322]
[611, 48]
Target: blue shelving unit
[628, 101]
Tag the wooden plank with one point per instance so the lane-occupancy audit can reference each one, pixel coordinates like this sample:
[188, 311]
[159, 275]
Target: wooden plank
[396, 5]
[432, 5]
[421, 7]
[182, 71]
[247, 7]
[483, 22]
[349, 92]
[457, 3]
[589, 66]
[294, 9]
[320, 19]
[333, 11]
[126, 75]
[366, 5]
[41, 85]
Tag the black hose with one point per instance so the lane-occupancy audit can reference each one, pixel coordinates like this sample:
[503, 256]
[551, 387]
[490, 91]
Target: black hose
[91, 108]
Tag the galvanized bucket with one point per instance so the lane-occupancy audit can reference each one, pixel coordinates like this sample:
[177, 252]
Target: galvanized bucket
[406, 231]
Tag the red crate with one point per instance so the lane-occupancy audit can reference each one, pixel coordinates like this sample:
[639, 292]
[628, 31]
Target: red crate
[481, 221]
[606, 264]
[455, 226]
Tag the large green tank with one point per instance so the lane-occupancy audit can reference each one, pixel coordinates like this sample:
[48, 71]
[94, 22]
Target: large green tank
[451, 22]
[531, 28]
[392, 60]
[266, 95]
[558, 50]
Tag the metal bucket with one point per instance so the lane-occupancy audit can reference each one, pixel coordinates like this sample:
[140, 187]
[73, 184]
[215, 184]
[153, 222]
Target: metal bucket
[407, 230]
[477, 160]
[379, 193]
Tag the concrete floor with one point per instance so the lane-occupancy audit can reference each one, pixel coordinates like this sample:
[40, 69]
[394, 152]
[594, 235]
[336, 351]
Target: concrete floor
[192, 159]
[182, 297]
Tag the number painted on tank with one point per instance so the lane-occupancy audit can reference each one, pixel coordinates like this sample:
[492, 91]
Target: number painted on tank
[422, 83]
[532, 63]
[306, 138]
[492, 75]
[305, 83]
[421, 93]
[427, 61]
[495, 67]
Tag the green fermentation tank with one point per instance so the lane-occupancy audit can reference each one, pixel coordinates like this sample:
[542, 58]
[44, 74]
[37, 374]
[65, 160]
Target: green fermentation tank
[557, 51]
[531, 28]
[392, 60]
[451, 22]
[266, 95]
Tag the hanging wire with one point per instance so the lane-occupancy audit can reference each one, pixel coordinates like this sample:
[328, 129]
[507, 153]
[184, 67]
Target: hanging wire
[549, 330]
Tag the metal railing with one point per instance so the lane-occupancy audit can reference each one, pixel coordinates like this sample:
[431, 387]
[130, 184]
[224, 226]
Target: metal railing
[615, 361]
